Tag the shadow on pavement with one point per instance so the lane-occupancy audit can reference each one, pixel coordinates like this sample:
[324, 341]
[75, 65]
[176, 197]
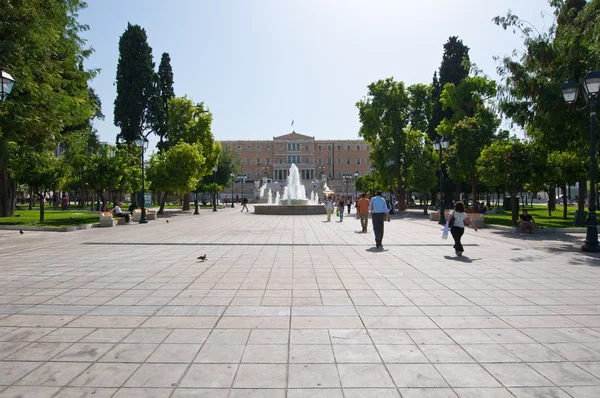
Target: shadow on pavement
[461, 259]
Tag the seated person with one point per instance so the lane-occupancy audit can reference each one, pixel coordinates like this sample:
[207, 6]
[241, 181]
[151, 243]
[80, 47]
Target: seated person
[527, 222]
[482, 208]
[132, 208]
[118, 213]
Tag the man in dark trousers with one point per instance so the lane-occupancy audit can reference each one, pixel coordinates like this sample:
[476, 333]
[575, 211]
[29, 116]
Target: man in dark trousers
[379, 211]
[245, 204]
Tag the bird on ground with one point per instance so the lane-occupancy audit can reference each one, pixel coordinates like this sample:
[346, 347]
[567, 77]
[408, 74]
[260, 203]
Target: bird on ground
[21, 232]
[202, 258]
[167, 221]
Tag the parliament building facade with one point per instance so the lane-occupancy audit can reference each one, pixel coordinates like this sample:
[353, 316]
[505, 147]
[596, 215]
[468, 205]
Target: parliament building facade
[315, 159]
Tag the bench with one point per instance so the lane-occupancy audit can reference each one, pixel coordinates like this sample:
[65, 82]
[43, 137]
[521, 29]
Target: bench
[477, 219]
[137, 215]
[107, 220]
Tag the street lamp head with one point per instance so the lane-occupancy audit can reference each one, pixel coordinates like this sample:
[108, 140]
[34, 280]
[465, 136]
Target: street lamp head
[591, 83]
[141, 142]
[6, 85]
[436, 144]
[215, 168]
[570, 91]
[444, 142]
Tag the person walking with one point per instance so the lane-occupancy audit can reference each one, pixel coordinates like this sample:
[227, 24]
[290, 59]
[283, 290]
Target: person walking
[379, 213]
[362, 208]
[341, 206]
[458, 219]
[349, 203]
[329, 207]
[245, 204]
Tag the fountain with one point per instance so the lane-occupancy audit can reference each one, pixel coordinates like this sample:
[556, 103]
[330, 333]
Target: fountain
[293, 200]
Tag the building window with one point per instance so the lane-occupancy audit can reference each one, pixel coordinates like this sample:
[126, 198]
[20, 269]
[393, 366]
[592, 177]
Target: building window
[258, 148]
[280, 161]
[368, 161]
[348, 148]
[268, 147]
[357, 160]
[257, 175]
[339, 148]
[247, 147]
[339, 175]
[306, 160]
[248, 175]
[307, 147]
[239, 148]
[329, 147]
[329, 175]
[348, 161]
[339, 161]
[280, 147]
[268, 160]
[358, 147]
[320, 161]
[258, 161]
[248, 161]
[328, 160]
[319, 147]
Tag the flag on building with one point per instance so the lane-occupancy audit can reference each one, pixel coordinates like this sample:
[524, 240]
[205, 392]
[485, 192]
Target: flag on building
[292, 122]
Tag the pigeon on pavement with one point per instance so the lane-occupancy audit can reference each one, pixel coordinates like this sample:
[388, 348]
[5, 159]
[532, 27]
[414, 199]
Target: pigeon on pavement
[21, 232]
[202, 258]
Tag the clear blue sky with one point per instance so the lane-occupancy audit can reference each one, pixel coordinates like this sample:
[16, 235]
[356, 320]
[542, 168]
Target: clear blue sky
[258, 64]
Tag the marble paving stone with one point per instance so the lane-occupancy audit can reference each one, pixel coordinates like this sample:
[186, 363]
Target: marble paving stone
[364, 375]
[262, 353]
[209, 376]
[416, 375]
[427, 393]
[174, 353]
[261, 376]
[29, 391]
[105, 375]
[143, 393]
[565, 374]
[305, 353]
[517, 375]
[313, 376]
[156, 375]
[53, 374]
[82, 392]
[13, 371]
[356, 353]
[315, 393]
[466, 375]
[220, 353]
[128, 353]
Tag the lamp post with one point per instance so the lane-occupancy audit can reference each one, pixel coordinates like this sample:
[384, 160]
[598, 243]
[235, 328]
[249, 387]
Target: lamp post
[142, 143]
[6, 85]
[346, 178]
[243, 178]
[439, 144]
[232, 175]
[390, 164]
[570, 91]
[214, 169]
[355, 187]
[196, 212]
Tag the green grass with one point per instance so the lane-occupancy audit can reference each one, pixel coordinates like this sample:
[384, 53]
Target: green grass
[540, 214]
[53, 218]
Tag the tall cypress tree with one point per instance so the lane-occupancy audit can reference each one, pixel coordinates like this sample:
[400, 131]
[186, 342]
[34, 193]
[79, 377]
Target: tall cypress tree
[165, 93]
[135, 88]
[452, 70]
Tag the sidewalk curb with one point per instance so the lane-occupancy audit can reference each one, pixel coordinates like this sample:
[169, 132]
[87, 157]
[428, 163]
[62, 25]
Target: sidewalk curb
[47, 229]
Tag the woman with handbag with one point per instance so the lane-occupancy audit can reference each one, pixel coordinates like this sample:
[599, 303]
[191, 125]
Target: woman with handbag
[341, 203]
[457, 221]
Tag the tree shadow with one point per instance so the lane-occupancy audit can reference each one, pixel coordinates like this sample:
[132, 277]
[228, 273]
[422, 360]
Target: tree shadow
[462, 259]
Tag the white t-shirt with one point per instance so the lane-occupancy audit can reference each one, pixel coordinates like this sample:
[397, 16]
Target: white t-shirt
[117, 210]
[459, 218]
[329, 204]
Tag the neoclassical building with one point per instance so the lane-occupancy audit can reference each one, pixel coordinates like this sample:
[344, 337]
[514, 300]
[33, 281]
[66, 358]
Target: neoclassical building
[315, 158]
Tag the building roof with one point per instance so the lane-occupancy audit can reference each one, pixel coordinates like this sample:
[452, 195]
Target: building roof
[293, 136]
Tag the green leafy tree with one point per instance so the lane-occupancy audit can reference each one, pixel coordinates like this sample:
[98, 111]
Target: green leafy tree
[105, 173]
[532, 77]
[41, 48]
[506, 165]
[135, 84]
[42, 172]
[472, 127]
[176, 169]
[423, 165]
[384, 115]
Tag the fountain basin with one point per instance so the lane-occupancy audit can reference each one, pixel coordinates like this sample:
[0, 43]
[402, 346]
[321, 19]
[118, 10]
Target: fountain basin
[290, 210]
[294, 202]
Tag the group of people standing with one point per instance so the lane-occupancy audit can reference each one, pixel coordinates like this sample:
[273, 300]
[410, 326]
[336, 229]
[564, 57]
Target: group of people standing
[379, 209]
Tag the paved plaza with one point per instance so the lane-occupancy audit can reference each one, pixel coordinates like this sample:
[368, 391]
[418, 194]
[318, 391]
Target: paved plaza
[291, 306]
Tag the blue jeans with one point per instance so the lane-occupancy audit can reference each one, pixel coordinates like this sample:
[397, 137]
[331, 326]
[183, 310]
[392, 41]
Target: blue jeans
[342, 214]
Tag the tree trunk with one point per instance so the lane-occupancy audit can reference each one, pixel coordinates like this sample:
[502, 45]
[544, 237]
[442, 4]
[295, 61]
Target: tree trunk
[424, 202]
[582, 195]
[564, 189]
[42, 209]
[514, 205]
[458, 191]
[31, 200]
[186, 201]
[474, 196]
[161, 210]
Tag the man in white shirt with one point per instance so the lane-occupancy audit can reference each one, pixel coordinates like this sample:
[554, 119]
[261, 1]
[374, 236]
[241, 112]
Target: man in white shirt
[118, 213]
[379, 212]
[329, 207]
